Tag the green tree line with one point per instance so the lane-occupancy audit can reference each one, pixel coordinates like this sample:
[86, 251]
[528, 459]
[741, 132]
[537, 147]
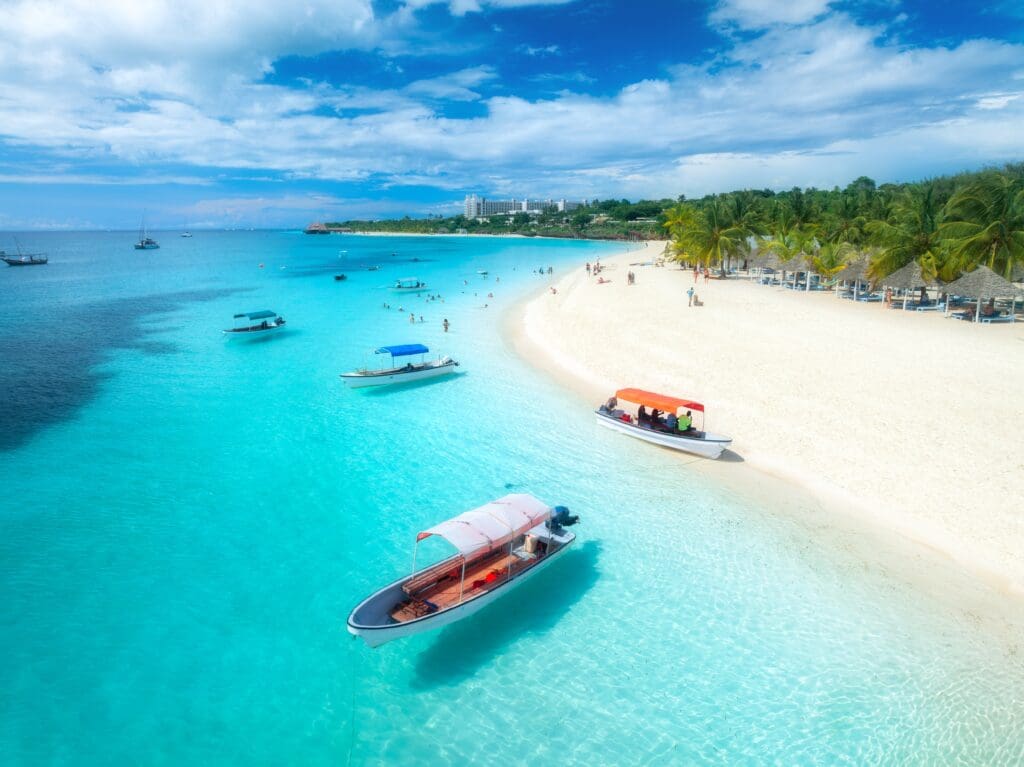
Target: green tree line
[948, 225]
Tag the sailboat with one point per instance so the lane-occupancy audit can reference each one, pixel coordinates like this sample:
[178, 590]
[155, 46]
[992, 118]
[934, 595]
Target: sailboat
[145, 241]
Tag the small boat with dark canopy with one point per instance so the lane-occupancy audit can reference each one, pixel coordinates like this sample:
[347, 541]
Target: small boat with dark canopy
[411, 371]
[499, 545]
[409, 285]
[258, 323]
[675, 430]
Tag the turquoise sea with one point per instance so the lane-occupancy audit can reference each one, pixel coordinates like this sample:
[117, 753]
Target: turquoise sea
[185, 523]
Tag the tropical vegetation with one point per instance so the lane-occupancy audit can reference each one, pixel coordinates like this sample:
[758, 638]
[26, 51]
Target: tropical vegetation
[947, 225]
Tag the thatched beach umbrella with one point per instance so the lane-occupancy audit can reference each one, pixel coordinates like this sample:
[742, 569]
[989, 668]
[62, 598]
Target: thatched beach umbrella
[808, 263]
[856, 272]
[765, 259]
[907, 278]
[792, 264]
[984, 283]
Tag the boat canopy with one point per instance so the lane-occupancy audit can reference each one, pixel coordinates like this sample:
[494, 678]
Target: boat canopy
[659, 401]
[403, 350]
[263, 314]
[491, 525]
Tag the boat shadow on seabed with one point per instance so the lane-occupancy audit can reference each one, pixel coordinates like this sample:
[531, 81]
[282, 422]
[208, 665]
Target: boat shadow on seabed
[395, 388]
[533, 608]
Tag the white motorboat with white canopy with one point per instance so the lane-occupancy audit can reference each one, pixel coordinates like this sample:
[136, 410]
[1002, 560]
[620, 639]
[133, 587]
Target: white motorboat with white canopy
[409, 285]
[499, 546]
[256, 324]
[401, 373]
[675, 430]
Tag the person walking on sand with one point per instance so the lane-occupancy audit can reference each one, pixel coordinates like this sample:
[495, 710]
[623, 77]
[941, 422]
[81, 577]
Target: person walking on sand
[445, 324]
[689, 296]
[588, 267]
[694, 274]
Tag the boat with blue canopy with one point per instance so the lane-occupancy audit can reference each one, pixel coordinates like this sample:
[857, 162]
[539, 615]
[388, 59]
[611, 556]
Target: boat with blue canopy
[255, 324]
[399, 373]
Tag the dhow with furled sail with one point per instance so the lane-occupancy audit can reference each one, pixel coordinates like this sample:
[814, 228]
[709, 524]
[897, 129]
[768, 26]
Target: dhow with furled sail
[499, 545]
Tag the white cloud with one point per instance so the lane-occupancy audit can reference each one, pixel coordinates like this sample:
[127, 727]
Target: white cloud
[758, 14]
[462, 7]
[817, 102]
[544, 50]
[455, 86]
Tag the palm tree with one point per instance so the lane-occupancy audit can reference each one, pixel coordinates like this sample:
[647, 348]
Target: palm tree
[710, 235]
[985, 224]
[746, 212]
[843, 222]
[833, 257]
[911, 233]
[793, 243]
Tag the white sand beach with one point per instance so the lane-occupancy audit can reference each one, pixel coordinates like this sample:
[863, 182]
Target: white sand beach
[908, 421]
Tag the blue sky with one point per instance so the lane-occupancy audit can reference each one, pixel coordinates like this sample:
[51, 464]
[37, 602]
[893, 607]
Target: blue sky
[232, 113]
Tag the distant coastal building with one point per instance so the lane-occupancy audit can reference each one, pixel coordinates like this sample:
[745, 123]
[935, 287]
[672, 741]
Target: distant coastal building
[481, 206]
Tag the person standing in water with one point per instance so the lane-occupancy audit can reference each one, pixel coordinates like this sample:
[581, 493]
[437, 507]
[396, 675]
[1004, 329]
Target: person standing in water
[445, 324]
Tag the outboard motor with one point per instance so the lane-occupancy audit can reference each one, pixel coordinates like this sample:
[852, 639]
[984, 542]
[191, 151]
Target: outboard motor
[560, 517]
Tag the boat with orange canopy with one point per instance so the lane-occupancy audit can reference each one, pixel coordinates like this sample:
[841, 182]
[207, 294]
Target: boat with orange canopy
[675, 430]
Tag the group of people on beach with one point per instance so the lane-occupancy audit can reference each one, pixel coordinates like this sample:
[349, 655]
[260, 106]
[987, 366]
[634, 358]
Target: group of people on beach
[670, 422]
[667, 422]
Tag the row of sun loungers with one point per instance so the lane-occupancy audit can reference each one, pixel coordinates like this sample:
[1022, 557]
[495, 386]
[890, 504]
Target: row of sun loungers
[964, 308]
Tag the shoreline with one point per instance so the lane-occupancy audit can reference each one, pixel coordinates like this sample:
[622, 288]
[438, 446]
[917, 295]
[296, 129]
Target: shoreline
[510, 235]
[918, 552]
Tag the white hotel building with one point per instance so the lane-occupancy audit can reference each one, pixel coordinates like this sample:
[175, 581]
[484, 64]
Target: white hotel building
[481, 206]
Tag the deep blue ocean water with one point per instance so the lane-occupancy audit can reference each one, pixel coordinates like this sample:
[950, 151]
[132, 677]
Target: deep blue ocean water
[185, 523]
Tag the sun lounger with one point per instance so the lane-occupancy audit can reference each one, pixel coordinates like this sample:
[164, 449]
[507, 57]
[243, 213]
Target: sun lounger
[870, 298]
[998, 318]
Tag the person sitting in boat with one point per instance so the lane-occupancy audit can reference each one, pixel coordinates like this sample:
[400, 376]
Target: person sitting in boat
[655, 418]
[685, 422]
[641, 415]
[612, 403]
[671, 422]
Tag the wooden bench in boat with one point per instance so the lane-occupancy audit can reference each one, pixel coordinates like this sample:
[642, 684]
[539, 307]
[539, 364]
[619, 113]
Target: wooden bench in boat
[438, 587]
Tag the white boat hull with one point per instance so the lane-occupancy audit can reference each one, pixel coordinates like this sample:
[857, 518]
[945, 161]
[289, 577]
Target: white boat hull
[375, 636]
[359, 380]
[709, 446]
[257, 333]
